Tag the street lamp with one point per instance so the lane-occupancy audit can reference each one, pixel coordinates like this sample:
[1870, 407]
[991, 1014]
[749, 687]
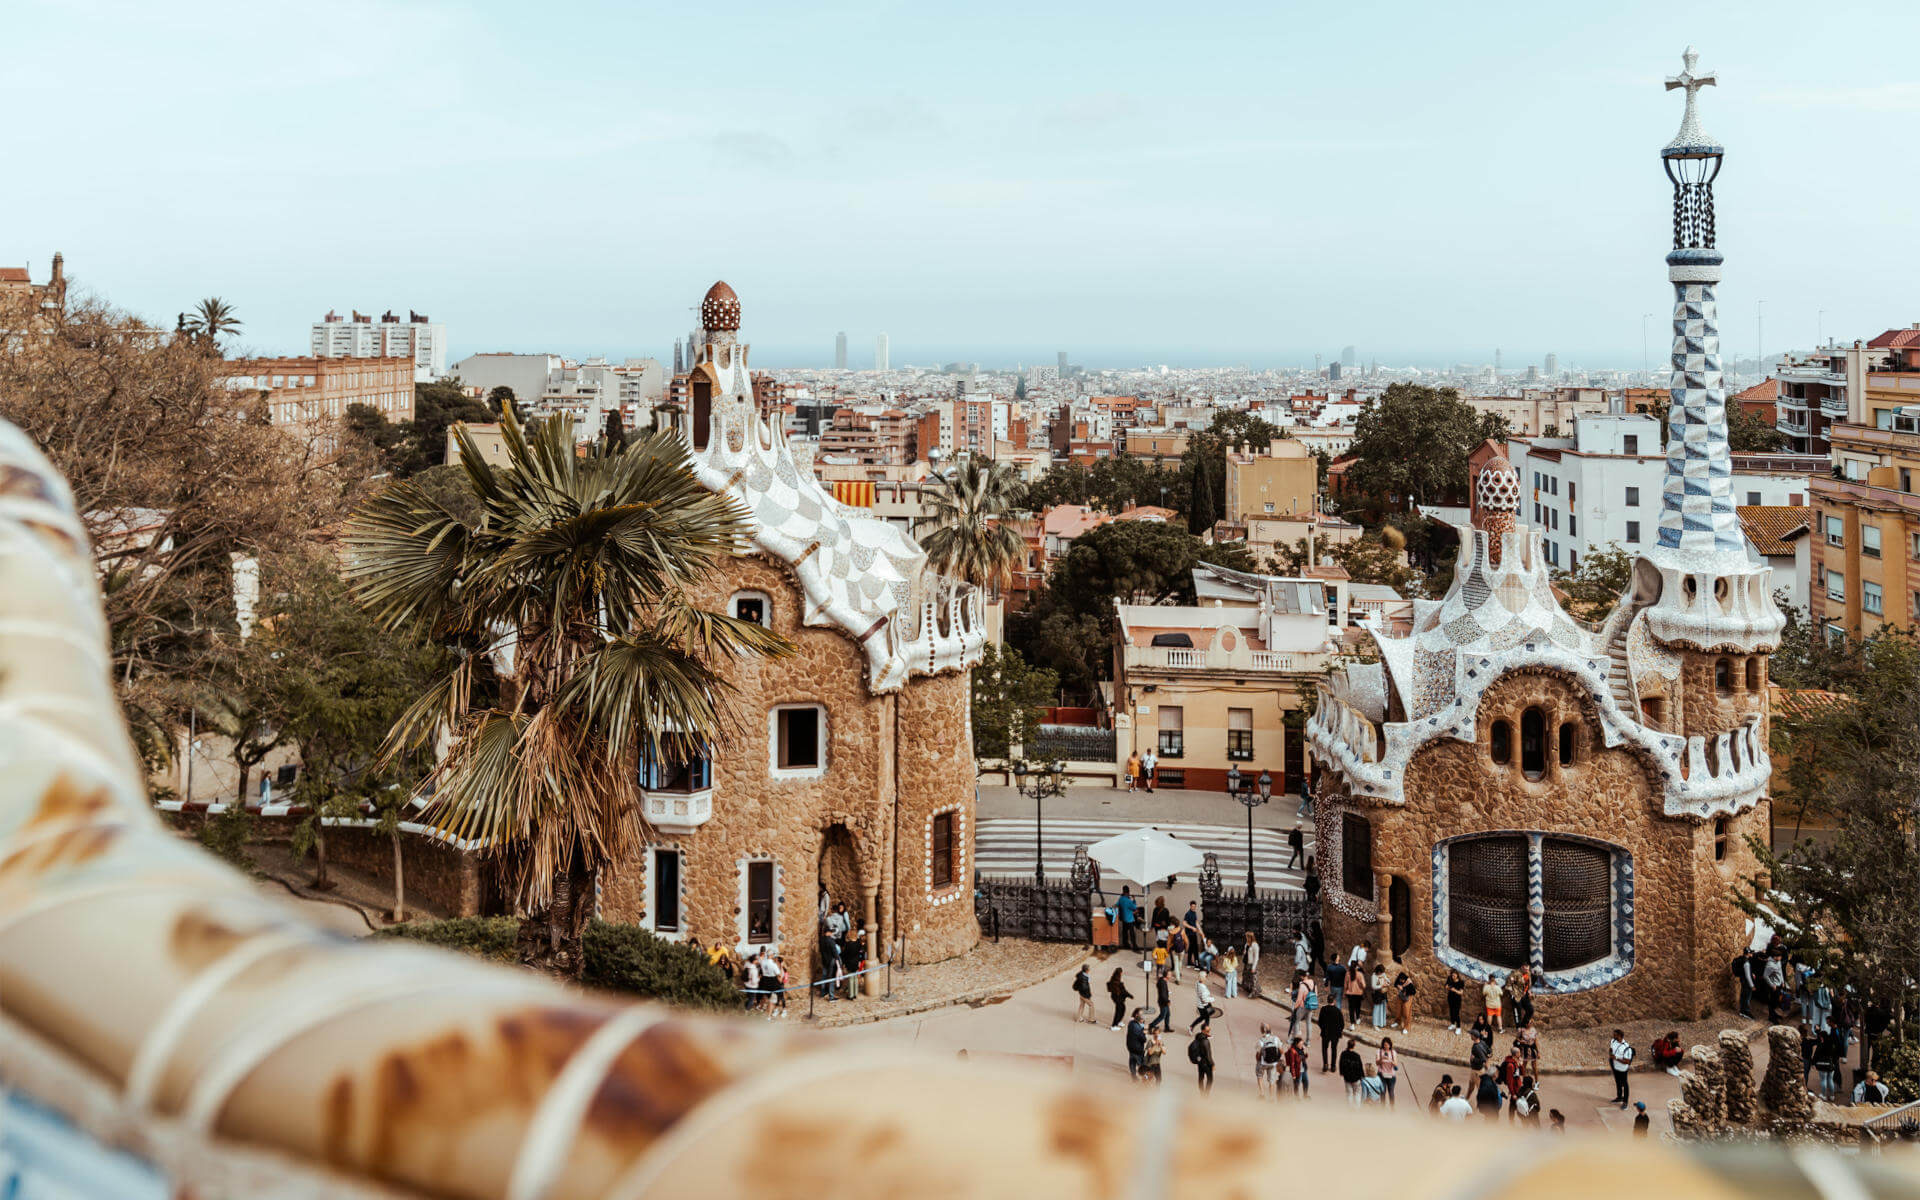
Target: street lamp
[1252, 796]
[1039, 782]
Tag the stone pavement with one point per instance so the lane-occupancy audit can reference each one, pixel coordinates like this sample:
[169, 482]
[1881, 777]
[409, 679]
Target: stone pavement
[1037, 1022]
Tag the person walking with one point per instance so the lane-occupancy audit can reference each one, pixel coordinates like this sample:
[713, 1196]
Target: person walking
[1117, 989]
[1404, 989]
[1377, 991]
[1386, 1064]
[1128, 910]
[1133, 770]
[1176, 949]
[1150, 1058]
[1267, 1061]
[1352, 1071]
[1332, 1025]
[1163, 995]
[1490, 997]
[1619, 1060]
[1200, 1054]
[1302, 951]
[1311, 885]
[1828, 1049]
[1204, 999]
[1356, 990]
[1297, 844]
[1373, 1089]
[1510, 1080]
[1136, 1045]
[1083, 988]
[1487, 1096]
[1149, 763]
[1297, 998]
[1297, 1068]
[1456, 991]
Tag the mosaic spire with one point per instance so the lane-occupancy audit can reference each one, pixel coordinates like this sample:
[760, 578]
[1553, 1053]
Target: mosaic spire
[1697, 510]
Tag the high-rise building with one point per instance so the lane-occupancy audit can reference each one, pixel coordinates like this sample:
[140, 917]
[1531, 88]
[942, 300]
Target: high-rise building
[880, 353]
[1496, 360]
[679, 363]
[1333, 372]
[1349, 356]
[1062, 359]
[840, 351]
[423, 341]
[1553, 367]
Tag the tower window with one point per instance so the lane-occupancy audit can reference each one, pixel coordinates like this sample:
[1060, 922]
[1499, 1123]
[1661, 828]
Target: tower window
[1719, 839]
[1753, 674]
[1566, 744]
[1722, 676]
[1533, 743]
[1500, 742]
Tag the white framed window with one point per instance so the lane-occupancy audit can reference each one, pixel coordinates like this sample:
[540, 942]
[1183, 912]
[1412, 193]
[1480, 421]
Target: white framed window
[1836, 586]
[665, 914]
[1836, 532]
[751, 606]
[797, 741]
[1869, 539]
[1173, 734]
[1870, 596]
[761, 895]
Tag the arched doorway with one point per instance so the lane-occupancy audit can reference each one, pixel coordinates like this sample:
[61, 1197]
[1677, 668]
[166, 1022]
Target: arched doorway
[840, 869]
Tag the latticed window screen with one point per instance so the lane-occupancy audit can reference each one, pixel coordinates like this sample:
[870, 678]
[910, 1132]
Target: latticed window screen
[1487, 899]
[1356, 855]
[1577, 887]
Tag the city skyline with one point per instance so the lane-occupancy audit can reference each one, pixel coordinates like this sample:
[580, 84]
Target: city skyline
[1449, 188]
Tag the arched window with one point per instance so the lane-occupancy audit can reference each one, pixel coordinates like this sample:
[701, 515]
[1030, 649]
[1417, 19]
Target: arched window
[1487, 899]
[1722, 676]
[1490, 886]
[1533, 743]
[1500, 742]
[1719, 839]
[752, 606]
[1566, 744]
[1753, 674]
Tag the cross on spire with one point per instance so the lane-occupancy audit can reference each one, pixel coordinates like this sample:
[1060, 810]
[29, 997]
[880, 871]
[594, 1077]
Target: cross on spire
[1690, 133]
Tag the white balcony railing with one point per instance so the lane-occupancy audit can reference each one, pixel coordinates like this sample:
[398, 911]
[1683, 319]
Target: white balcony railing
[1238, 660]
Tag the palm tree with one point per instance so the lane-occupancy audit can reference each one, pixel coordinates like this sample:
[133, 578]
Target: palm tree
[582, 649]
[972, 538]
[212, 318]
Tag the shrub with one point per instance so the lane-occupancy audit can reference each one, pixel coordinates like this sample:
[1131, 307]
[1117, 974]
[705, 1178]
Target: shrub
[620, 958]
[228, 835]
[1898, 1064]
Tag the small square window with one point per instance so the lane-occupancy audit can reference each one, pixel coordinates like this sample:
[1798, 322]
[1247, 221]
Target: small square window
[1632, 443]
[750, 606]
[1753, 498]
[1633, 532]
[799, 739]
[1633, 497]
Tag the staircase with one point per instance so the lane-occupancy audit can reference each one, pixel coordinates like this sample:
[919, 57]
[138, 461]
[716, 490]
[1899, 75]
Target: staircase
[1619, 679]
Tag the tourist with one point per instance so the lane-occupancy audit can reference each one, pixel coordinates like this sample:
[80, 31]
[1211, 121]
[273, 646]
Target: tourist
[1827, 1053]
[1230, 973]
[1456, 991]
[1510, 1078]
[1150, 1056]
[1351, 1071]
[1149, 763]
[1133, 770]
[1666, 1052]
[1117, 989]
[1208, 953]
[1377, 992]
[1176, 949]
[1312, 882]
[1373, 1090]
[1556, 1121]
[1194, 937]
[838, 922]
[1297, 1067]
[783, 979]
[1527, 1103]
[1200, 1054]
[853, 950]
[1161, 919]
[829, 962]
[1387, 1066]
[1742, 969]
[1456, 1107]
[1128, 910]
[1204, 999]
[750, 982]
[1441, 1091]
[1136, 1044]
[1267, 1057]
[1807, 1046]
[1083, 988]
[1161, 956]
[1356, 990]
[1527, 1042]
[1619, 1059]
[1519, 999]
[1302, 951]
[1775, 973]
[1490, 998]
[1316, 942]
[1487, 1098]
[1306, 799]
[1405, 989]
[1250, 965]
[1297, 843]
[1332, 1025]
[1870, 1090]
[1297, 998]
[1163, 995]
[1642, 1124]
[1336, 976]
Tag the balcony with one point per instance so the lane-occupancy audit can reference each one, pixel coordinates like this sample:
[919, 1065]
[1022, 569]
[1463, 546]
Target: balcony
[1885, 499]
[1239, 661]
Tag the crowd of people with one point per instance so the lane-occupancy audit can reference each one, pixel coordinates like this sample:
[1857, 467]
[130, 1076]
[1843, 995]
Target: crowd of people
[1771, 983]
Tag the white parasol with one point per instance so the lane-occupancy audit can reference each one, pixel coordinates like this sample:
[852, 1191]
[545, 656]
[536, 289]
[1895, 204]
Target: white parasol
[1145, 855]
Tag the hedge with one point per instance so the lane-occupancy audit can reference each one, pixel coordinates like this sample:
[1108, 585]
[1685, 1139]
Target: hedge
[619, 958]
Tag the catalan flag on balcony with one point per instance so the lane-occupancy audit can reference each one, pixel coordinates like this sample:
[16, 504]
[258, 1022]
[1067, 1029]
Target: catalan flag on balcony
[854, 493]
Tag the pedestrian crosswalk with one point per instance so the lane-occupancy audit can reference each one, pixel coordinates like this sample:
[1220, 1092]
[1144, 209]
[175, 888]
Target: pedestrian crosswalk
[1004, 846]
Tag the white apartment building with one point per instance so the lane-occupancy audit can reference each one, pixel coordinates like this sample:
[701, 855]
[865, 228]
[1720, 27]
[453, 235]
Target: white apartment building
[1601, 486]
[423, 341]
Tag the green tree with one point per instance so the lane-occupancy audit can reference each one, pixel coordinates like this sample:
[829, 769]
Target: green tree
[1009, 698]
[211, 320]
[572, 597]
[437, 407]
[1205, 500]
[502, 397]
[1597, 584]
[971, 536]
[1414, 442]
[1063, 483]
[1748, 434]
[1377, 557]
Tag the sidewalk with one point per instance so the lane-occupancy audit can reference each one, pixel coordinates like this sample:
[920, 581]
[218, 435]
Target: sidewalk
[1145, 808]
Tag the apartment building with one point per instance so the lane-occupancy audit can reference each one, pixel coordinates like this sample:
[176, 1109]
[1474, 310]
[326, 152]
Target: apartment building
[1280, 479]
[1541, 412]
[418, 338]
[312, 393]
[874, 435]
[1810, 394]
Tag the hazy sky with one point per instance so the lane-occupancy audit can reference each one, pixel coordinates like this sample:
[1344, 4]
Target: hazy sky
[1131, 182]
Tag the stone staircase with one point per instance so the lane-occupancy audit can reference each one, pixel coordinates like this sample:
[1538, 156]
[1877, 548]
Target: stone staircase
[1619, 678]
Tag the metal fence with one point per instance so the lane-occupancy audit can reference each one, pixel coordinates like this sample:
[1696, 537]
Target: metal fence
[1054, 912]
[1273, 916]
[1074, 743]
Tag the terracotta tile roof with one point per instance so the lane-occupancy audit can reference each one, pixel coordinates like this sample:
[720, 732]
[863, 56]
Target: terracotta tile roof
[1773, 527]
[1896, 339]
[1764, 390]
[1804, 702]
[14, 275]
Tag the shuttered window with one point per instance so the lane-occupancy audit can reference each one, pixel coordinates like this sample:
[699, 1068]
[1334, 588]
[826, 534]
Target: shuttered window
[1487, 899]
[1356, 855]
[1240, 734]
[943, 849]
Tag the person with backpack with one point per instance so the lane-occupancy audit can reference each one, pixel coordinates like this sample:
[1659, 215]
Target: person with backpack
[1352, 1071]
[1200, 1054]
[1204, 999]
[1620, 1059]
[1296, 1068]
[1083, 988]
[1332, 1025]
[1266, 1061]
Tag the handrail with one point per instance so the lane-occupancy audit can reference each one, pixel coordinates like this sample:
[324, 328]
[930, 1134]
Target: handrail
[313, 1065]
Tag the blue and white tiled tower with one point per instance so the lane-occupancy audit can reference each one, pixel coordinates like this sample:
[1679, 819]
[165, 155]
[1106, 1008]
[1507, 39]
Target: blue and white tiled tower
[1713, 592]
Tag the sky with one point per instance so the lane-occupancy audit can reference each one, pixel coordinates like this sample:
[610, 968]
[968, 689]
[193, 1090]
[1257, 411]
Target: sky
[1133, 183]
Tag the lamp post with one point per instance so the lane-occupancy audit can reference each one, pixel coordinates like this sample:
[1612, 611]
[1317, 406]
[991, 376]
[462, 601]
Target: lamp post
[1252, 796]
[1038, 782]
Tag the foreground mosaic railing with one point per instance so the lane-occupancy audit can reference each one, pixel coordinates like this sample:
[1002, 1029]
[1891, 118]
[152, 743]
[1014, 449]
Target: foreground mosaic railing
[153, 999]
